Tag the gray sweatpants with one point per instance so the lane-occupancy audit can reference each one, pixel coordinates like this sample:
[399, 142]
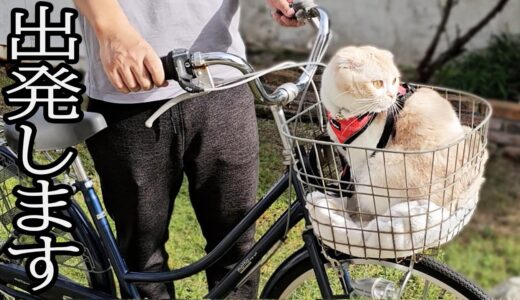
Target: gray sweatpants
[214, 141]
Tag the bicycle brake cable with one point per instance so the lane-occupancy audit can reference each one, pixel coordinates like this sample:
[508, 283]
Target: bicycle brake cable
[234, 82]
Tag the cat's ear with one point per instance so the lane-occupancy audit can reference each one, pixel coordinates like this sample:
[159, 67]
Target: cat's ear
[373, 51]
[388, 54]
[349, 62]
[350, 58]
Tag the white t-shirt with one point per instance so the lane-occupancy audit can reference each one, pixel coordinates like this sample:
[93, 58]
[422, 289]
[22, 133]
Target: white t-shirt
[204, 25]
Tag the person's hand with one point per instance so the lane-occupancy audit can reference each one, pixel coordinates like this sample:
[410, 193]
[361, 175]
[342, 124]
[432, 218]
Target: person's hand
[283, 13]
[130, 63]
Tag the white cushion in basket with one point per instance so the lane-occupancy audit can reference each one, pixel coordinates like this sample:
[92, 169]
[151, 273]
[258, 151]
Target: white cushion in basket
[385, 237]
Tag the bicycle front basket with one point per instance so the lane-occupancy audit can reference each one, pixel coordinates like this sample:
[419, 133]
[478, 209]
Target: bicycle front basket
[386, 207]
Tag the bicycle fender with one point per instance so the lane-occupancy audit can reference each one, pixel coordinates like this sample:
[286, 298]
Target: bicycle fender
[296, 258]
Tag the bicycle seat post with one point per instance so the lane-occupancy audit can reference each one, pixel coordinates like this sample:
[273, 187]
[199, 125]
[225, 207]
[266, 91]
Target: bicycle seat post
[79, 170]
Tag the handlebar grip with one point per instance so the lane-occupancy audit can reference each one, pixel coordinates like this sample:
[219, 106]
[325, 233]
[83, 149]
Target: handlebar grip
[169, 67]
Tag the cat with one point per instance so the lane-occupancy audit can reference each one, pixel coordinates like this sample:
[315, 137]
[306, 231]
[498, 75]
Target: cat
[362, 84]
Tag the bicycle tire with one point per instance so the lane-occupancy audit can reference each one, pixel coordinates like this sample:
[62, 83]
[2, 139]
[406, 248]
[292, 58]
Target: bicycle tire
[97, 272]
[291, 274]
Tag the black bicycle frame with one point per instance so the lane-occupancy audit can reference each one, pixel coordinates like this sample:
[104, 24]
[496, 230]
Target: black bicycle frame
[243, 268]
[232, 280]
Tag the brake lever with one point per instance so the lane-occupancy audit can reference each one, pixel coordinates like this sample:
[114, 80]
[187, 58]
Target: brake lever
[304, 9]
[179, 68]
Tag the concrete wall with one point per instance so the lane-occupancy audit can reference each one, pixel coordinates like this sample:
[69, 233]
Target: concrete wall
[5, 20]
[405, 27]
[7, 5]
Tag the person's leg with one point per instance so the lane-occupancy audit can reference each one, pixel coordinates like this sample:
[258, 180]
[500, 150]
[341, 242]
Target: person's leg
[221, 162]
[140, 170]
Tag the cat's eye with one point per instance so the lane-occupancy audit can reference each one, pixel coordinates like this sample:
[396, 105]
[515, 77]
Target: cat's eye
[378, 84]
[395, 80]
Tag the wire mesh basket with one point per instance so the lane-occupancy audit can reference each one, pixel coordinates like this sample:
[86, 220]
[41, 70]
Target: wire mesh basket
[376, 203]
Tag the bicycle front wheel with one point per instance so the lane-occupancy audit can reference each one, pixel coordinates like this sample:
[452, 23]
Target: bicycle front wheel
[428, 279]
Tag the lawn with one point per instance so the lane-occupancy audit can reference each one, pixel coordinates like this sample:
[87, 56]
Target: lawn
[487, 251]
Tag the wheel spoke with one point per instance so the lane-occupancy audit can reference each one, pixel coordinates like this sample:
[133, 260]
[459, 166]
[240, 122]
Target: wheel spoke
[425, 281]
[426, 289]
[404, 280]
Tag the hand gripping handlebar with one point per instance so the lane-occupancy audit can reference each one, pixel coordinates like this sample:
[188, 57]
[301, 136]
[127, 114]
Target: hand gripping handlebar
[181, 65]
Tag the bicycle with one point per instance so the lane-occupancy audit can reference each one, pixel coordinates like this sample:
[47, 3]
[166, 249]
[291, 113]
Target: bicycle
[337, 275]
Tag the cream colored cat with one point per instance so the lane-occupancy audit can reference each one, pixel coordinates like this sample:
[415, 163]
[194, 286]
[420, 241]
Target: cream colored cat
[361, 80]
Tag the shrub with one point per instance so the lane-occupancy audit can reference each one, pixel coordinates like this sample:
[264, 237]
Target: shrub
[492, 72]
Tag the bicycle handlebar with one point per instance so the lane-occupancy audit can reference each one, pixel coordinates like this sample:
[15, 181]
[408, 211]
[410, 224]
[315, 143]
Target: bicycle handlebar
[169, 69]
[184, 67]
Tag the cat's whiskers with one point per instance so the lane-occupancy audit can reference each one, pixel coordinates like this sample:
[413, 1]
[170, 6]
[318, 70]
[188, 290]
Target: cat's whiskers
[368, 105]
[367, 108]
[361, 110]
[395, 108]
[339, 95]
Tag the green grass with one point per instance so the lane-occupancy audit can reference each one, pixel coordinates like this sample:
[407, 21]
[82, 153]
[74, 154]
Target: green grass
[487, 251]
[186, 243]
[487, 260]
[4, 81]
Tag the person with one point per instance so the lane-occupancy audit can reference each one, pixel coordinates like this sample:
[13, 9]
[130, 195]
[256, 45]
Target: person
[212, 139]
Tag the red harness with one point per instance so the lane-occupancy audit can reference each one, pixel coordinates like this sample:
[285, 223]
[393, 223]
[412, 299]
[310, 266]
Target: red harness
[347, 130]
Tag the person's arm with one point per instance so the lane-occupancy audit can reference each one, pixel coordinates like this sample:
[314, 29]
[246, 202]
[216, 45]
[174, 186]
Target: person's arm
[283, 13]
[130, 63]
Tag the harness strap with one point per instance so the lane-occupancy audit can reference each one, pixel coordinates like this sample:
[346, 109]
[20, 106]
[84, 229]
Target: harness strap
[347, 130]
[389, 130]
[360, 132]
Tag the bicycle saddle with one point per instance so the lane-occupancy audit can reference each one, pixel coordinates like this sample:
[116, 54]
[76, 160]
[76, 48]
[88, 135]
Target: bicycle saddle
[53, 136]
